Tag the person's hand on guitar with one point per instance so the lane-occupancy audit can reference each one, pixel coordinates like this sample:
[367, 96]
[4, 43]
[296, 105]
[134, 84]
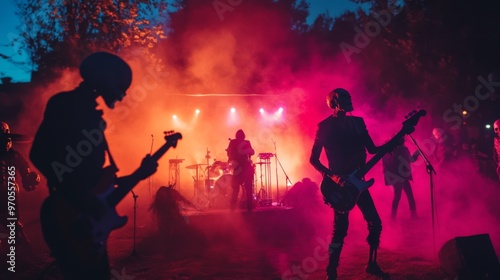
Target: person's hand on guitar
[148, 167]
[339, 180]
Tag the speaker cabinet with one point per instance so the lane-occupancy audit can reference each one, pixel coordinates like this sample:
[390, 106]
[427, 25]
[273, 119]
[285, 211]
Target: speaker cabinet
[470, 257]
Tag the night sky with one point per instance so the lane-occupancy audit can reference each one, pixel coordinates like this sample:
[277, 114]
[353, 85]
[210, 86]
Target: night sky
[20, 72]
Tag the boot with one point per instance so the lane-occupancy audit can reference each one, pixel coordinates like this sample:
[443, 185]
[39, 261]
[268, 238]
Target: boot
[331, 269]
[372, 267]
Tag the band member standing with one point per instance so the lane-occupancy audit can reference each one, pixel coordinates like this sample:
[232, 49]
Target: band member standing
[13, 167]
[345, 140]
[69, 149]
[397, 173]
[239, 152]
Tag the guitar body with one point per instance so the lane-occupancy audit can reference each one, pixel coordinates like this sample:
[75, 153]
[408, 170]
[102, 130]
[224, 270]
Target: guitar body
[343, 198]
[81, 225]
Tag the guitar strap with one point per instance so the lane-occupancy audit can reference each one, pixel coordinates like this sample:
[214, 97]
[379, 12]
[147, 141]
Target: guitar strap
[111, 160]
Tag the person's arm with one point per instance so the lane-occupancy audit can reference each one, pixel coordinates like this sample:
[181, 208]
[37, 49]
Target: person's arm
[314, 159]
[414, 156]
[250, 151]
[367, 139]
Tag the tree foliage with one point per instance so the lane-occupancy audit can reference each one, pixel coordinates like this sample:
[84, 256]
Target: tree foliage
[432, 50]
[59, 33]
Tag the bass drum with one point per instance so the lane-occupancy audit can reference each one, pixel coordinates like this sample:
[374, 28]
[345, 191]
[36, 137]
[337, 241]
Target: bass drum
[223, 191]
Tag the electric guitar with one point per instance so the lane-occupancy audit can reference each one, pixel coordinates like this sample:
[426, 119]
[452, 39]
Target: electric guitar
[343, 198]
[83, 225]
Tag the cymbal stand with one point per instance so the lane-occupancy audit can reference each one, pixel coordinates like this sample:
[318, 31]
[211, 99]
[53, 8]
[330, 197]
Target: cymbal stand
[208, 186]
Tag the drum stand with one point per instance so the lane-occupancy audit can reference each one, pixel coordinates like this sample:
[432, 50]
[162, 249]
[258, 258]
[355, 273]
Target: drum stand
[265, 178]
[174, 172]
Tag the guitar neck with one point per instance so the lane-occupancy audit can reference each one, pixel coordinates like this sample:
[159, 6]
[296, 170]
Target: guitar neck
[125, 187]
[371, 163]
[408, 127]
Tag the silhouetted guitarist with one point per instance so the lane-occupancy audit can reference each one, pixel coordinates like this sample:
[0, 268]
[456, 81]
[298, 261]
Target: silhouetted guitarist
[345, 140]
[70, 149]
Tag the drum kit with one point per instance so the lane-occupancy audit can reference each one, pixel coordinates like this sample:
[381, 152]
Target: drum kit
[212, 182]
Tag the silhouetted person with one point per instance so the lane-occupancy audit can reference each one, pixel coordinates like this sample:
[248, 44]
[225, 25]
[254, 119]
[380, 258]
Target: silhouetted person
[397, 173]
[445, 150]
[166, 207]
[15, 172]
[303, 195]
[345, 140]
[174, 231]
[70, 149]
[239, 152]
[496, 145]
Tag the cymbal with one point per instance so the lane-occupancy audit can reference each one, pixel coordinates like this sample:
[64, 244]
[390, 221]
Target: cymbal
[194, 166]
[176, 160]
[262, 162]
[19, 138]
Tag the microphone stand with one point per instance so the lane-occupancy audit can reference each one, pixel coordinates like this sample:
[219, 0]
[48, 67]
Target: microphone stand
[150, 177]
[134, 252]
[431, 171]
[287, 179]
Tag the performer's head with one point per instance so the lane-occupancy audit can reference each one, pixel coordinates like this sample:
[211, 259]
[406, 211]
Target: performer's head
[437, 133]
[107, 74]
[5, 139]
[240, 135]
[340, 101]
[496, 127]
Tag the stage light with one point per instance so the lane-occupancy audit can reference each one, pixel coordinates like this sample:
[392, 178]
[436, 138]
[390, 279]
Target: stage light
[464, 112]
[261, 110]
[174, 117]
[197, 111]
[488, 126]
[233, 110]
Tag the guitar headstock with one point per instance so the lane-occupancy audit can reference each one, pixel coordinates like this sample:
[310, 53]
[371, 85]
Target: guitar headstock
[172, 137]
[412, 119]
